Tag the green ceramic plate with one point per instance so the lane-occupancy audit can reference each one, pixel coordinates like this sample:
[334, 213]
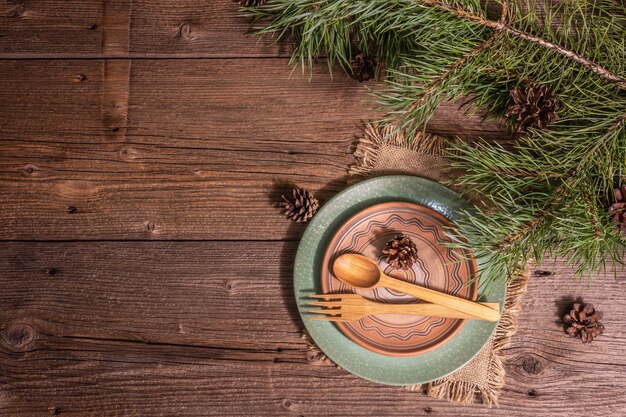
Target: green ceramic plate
[369, 365]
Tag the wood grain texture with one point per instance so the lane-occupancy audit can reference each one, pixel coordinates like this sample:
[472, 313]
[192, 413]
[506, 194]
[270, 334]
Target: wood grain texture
[173, 149]
[97, 147]
[48, 27]
[197, 28]
[157, 328]
[116, 21]
[136, 28]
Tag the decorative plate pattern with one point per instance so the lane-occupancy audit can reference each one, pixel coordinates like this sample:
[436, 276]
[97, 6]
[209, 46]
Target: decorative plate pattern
[392, 370]
[437, 267]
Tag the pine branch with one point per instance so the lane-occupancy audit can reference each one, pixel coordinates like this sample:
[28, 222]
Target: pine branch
[541, 231]
[547, 193]
[546, 211]
[502, 26]
[525, 174]
[620, 82]
[558, 194]
[450, 69]
[594, 216]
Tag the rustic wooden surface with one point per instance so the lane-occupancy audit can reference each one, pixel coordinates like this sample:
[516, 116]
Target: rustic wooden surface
[143, 267]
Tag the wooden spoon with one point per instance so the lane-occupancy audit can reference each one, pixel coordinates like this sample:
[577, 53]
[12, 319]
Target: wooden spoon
[361, 272]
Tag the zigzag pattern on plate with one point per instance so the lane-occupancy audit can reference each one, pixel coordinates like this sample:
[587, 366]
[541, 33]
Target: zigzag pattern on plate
[379, 326]
[377, 323]
[382, 225]
[352, 245]
[458, 284]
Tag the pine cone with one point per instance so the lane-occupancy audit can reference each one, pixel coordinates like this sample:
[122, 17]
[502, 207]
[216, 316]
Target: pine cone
[618, 208]
[249, 3]
[301, 206]
[363, 67]
[584, 322]
[401, 252]
[534, 107]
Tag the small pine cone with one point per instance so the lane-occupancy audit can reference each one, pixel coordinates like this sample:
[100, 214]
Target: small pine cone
[401, 252]
[363, 67]
[533, 107]
[300, 206]
[583, 322]
[249, 3]
[618, 208]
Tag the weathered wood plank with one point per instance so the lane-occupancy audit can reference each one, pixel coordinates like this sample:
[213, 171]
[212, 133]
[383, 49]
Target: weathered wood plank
[196, 28]
[156, 328]
[139, 28]
[50, 27]
[198, 149]
[193, 151]
[190, 302]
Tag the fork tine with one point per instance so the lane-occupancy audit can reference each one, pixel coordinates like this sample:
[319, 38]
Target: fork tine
[329, 318]
[325, 303]
[325, 296]
[348, 295]
[325, 311]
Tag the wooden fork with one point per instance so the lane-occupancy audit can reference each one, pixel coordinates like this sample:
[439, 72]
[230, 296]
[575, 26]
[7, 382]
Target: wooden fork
[353, 307]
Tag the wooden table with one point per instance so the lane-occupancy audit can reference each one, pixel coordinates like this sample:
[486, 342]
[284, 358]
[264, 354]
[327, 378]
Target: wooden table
[144, 269]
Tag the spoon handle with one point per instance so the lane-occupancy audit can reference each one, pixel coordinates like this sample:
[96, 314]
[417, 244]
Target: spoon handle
[420, 309]
[426, 294]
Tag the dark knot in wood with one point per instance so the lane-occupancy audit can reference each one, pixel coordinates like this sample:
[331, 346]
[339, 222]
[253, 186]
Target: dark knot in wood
[184, 31]
[532, 366]
[17, 10]
[150, 227]
[52, 271]
[17, 336]
[71, 209]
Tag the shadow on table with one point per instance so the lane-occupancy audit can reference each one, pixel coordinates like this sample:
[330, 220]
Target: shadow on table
[294, 233]
[563, 306]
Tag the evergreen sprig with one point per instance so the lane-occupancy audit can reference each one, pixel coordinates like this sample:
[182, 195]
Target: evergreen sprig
[549, 192]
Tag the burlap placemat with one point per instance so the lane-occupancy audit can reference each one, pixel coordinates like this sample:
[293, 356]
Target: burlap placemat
[382, 152]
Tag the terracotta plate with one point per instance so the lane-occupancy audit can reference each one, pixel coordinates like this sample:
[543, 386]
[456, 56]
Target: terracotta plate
[437, 267]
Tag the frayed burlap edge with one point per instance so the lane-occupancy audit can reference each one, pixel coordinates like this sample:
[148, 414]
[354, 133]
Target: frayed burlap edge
[368, 148]
[313, 354]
